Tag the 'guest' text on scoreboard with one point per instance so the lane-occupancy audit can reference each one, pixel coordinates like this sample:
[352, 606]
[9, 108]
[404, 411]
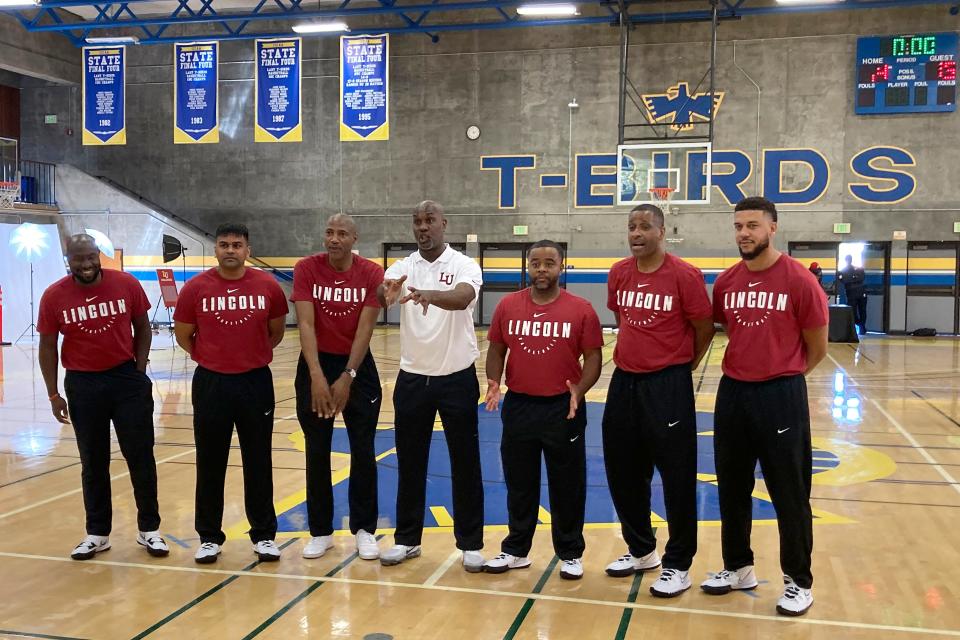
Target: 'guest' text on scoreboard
[915, 73]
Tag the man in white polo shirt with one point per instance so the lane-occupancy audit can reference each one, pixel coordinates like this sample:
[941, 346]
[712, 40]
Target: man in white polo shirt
[437, 288]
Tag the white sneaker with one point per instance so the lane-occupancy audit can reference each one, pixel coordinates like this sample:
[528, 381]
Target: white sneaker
[207, 553]
[155, 544]
[398, 553]
[367, 547]
[267, 551]
[90, 546]
[795, 600]
[627, 565]
[504, 562]
[571, 569]
[727, 581]
[473, 561]
[671, 583]
[317, 546]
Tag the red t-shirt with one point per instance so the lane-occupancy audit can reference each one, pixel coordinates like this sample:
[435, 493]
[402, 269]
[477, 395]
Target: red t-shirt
[655, 312]
[338, 297]
[231, 317]
[765, 313]
[545, 341]
[94, 320]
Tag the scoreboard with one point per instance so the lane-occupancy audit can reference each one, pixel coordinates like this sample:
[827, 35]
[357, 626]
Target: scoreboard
[913, 73]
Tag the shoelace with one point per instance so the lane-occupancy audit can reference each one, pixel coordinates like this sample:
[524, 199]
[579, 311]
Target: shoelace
[723, 575]
[625, 558]
[792, 592]
[88, 545]
[156, 540]
[570, 563]
[668, 574]
[208, 546]
[268, 544]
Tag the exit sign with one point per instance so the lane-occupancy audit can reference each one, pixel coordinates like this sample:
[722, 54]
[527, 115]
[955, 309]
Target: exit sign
[956, 227]
[520, 230]
[841, 227]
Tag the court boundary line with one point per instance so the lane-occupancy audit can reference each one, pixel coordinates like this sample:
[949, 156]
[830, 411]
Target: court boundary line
[508, 594]
[72, 492]
[903, 432]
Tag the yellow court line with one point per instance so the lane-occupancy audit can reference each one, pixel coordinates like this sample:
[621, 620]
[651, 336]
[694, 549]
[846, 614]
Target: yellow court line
[442, 516]
[906, 434]
[491, 592]
[240, 529]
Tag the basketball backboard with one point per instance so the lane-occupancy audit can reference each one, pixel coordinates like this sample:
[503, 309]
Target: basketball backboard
[646, 170]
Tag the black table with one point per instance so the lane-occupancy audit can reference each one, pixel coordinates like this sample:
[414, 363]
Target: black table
[842, 327]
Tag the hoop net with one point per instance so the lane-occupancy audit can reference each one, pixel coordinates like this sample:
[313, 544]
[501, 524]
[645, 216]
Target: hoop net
[661, 194]
[9, 192]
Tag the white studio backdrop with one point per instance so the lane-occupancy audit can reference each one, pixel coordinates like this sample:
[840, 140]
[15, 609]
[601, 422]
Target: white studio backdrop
[46, 255]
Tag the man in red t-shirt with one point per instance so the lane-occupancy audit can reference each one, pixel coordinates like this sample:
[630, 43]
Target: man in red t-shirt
[665, 325]
[775, 315]
[229, 319]
[335, 295]
[105, 381]
[546, 330]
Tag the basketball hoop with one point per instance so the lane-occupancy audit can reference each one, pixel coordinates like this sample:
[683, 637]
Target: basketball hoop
[9, 192]
[662, 195]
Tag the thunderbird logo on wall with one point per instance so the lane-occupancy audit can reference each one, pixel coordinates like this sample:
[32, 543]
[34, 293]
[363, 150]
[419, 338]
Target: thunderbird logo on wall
[680, 109]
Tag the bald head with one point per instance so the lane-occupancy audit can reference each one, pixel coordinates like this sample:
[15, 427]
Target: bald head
[342, 220]
[81, 242]
[83, 257]
[429, 206]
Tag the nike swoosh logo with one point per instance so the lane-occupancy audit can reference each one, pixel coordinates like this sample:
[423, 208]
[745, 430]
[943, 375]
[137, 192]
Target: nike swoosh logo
[574, 439]
[339, 281]
[232, 290]
[374, 400]
[641, 286]
[537, 315]
[673, 424]
[753, 284]
[93, 298]
[266, 413]
[782, 430]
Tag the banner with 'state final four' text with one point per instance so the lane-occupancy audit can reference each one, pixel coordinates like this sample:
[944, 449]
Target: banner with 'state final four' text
[196, 111]
[277, 79]
[364, 91]
[104, 95]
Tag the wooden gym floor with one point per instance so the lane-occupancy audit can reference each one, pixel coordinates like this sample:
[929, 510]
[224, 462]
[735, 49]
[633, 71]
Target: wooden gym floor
[886, 427]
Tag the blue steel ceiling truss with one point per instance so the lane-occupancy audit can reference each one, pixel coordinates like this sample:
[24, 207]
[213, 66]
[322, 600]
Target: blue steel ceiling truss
[200, 19]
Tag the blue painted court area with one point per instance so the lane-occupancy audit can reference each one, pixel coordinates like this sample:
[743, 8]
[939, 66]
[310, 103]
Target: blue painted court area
[599, 508]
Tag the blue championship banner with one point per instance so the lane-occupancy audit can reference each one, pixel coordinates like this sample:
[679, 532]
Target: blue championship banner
[196, 109]
[277, 78]
[104, 93]
[364, 92]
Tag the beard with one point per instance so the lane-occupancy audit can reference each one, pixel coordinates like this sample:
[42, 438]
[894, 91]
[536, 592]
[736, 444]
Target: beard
[760, 248]
[79, 276]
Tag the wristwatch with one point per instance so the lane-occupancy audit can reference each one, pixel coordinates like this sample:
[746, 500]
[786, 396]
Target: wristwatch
[350, 372]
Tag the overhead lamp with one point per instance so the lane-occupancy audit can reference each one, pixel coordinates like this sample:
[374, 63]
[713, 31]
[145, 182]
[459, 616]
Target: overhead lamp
[321, 27]
[552, 10]
[12, 4]
[798, 2]
[112, 39]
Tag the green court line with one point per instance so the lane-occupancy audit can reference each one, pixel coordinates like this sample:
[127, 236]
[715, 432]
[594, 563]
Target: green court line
[528, 603]
[303, 594]
[203, 596]
[27, 634]
[628, 611]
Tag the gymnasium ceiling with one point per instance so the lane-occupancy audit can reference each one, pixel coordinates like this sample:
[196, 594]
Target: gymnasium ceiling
[165, 21]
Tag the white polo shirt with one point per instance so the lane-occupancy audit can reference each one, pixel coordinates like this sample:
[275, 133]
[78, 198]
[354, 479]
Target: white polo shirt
[441, 342]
